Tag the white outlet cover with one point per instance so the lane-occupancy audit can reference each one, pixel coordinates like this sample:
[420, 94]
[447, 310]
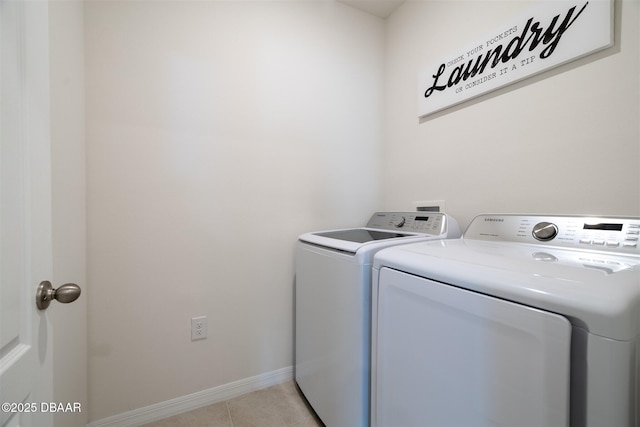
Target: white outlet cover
[198, 328]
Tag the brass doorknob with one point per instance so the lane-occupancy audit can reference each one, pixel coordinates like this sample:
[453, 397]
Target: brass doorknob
[65, 294]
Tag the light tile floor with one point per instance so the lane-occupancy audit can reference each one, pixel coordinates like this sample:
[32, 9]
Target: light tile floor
[281, 405]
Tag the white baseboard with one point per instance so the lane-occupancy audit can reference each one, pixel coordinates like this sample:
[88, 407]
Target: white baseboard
[193, 401]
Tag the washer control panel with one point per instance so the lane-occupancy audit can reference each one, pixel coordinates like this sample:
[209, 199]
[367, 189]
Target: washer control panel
[410, 222]
[615, 235]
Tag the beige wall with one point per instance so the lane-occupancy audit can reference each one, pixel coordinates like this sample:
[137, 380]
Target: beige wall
[216, 133]
[219, 131]
[566, 141]
[66, 56]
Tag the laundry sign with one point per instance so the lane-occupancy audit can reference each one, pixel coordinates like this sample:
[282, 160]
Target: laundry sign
[550, 34]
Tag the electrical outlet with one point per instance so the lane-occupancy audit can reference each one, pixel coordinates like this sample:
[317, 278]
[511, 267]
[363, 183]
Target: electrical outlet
[198, 328]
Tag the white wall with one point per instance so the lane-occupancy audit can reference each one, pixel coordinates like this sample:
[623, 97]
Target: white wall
[66, 56]
[216, 133]
[566, 141]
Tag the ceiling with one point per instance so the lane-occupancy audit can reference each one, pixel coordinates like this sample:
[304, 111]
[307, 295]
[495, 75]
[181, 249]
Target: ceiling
[380, 8]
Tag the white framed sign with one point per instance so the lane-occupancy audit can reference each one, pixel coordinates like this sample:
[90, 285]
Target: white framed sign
[551, 33]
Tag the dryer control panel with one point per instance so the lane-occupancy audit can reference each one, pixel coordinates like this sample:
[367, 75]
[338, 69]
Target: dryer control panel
[613, 235]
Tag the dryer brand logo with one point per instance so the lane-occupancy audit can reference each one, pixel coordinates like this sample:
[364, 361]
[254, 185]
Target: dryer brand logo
[551, 34]
[494, 219]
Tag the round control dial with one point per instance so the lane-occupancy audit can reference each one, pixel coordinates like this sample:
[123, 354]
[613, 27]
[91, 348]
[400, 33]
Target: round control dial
[400, 222]
[545, 231]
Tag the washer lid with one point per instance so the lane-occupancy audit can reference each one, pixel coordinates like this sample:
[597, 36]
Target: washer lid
[361, 235]
[386, 229]
[596, 291]
[354, 239]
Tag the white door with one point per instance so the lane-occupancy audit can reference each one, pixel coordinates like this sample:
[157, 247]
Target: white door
[26, 378]
[450, 357]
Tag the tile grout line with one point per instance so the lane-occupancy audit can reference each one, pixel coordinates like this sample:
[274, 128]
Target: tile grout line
[226, 402]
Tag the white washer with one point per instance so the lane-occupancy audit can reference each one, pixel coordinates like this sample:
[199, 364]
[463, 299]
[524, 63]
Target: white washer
[333, 309]
[525, 321]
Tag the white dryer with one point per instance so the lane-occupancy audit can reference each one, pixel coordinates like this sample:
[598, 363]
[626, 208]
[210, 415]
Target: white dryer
[525, 321]
[333, 309]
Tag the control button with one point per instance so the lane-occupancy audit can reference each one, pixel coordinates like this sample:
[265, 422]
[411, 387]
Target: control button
[544, 231]
[613, 244]
[598, 242]
[630, 245]
[631, 239]
[585, 241]
[633, 232]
